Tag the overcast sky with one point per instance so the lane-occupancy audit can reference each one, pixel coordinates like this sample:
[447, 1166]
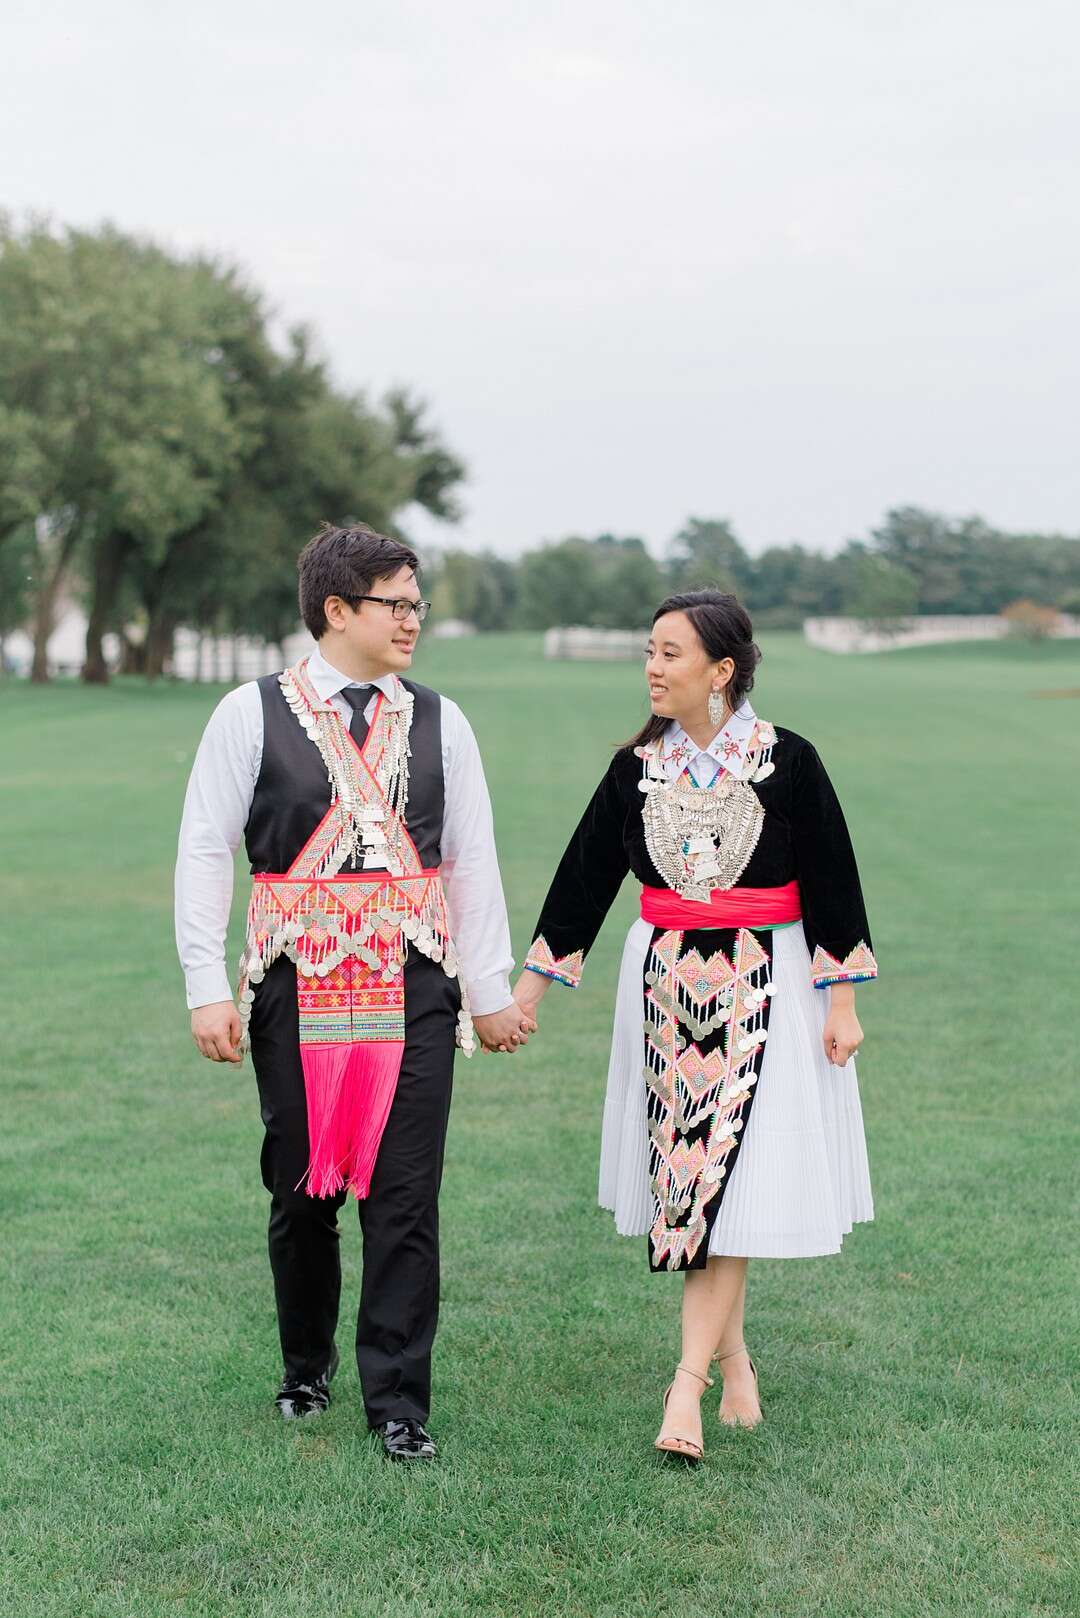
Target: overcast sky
[785, 261]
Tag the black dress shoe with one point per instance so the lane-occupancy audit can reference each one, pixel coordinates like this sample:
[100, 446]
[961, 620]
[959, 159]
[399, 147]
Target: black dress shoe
[406, 1440]
[297, 1399]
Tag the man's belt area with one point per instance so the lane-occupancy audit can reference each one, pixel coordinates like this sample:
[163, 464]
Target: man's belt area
[348, 936]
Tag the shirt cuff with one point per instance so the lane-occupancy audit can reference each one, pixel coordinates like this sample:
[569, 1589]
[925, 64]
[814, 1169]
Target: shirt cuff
[490, 994]
[207, 985]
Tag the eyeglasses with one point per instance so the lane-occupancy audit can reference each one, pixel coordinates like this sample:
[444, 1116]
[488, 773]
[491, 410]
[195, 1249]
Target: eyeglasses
[401, 606]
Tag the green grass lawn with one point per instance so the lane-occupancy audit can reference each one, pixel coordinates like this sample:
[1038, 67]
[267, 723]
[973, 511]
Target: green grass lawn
[919, 1451]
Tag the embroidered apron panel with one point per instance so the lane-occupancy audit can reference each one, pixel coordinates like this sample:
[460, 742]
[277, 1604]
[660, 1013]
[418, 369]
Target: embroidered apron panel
[707, 997]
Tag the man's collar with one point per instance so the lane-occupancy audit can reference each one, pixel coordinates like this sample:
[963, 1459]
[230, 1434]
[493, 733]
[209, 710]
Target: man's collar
[728, 746]
[328, 680]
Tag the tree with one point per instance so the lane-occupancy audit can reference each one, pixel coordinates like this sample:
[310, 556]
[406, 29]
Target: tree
[557, 585]
[166, 448]
[480, 590]
[115, 375]
[706, 554]
[18, 552]
[965, 566]
[876, 589]
[322, 456]
[1031, 619]
[789, 583]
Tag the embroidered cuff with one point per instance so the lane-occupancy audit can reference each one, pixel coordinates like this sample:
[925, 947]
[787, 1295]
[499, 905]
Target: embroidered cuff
[567, 969]
[858, 966]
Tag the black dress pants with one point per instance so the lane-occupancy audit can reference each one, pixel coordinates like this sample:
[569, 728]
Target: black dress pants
[399, 1298]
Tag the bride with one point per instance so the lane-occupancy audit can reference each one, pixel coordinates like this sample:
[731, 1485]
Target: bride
[732, 1126]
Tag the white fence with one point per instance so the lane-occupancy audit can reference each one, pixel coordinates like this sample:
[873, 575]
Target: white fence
[596, 645]
[232, 658]
[862, 635]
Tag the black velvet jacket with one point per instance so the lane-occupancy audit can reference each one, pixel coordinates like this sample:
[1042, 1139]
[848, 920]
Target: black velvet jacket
[804, 838]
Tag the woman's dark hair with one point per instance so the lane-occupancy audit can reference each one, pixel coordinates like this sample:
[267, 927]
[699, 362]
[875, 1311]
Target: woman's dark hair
[724, 629]
[346, 562]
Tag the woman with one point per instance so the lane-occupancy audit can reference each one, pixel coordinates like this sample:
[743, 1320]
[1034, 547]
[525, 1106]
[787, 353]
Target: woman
[732, 1127]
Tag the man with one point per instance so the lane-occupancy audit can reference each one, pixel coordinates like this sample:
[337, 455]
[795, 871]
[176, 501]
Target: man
[377, 927]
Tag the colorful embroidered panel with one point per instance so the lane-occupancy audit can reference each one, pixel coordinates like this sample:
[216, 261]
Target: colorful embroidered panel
[347, 936]
[706, 1023]
[348, 933]
[858, 966]
[567, 969]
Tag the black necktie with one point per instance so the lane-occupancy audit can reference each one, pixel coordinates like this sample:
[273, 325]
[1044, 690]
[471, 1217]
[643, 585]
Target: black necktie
[358, 697]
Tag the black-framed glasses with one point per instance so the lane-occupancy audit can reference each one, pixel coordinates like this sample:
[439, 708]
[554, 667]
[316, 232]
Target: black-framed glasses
[401, 606]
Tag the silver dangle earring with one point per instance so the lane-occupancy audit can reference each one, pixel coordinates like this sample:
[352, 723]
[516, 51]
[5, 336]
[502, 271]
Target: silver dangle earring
[716, 707]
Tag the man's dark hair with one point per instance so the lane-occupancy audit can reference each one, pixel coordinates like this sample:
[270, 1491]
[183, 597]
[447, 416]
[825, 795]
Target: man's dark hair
[346, 562]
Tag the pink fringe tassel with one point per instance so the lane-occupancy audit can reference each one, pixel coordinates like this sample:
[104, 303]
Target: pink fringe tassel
[350, 1089]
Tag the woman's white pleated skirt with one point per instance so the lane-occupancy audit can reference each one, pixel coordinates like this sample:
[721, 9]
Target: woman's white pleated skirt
[801, 1179]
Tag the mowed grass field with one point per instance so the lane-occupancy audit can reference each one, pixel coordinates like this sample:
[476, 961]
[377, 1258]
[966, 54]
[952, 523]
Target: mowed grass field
[919, 1451]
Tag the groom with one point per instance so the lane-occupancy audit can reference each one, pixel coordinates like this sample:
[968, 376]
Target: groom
[376, 931]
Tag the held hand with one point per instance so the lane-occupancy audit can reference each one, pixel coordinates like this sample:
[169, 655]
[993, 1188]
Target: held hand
[216, 1031]
[529, 990]
[504, 1030]
[843, 1034]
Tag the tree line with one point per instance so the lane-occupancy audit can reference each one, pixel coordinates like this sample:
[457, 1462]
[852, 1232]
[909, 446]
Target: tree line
[162, 458]
[916, 561]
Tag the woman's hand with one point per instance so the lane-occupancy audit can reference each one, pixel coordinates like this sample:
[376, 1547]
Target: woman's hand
[504, 1030]
[843, 1032]
[529, 990]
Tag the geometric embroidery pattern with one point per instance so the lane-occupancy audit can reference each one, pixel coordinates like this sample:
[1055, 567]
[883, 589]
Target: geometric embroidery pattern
[566, 969]
[858, 966]
[348, 933]
[706, 1023]
[347, 936]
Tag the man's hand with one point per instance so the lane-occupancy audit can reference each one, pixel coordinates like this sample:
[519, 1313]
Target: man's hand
[216, 1031]
[504, 1030]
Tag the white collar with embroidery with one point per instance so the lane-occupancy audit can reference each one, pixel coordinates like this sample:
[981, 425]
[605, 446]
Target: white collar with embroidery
[728, 747]
[329, 681]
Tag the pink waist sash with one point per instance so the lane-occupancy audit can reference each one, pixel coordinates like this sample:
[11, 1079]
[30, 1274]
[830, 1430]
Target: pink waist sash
[727, 907]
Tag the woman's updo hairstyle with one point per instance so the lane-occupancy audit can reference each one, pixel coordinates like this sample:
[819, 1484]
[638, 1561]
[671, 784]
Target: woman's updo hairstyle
[724, 629]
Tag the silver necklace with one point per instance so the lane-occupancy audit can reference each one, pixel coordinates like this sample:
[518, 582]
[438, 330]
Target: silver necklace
[701, 838]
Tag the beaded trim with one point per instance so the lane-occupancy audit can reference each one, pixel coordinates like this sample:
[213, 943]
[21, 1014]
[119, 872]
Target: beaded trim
[370, 824]
[322, 923]
[858, 966]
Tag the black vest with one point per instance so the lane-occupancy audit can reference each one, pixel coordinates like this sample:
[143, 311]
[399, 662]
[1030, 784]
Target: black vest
[292, 793]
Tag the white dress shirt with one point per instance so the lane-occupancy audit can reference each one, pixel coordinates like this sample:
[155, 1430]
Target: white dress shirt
[216, 808]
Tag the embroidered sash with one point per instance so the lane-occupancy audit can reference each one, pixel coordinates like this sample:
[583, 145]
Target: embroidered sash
[348, 933]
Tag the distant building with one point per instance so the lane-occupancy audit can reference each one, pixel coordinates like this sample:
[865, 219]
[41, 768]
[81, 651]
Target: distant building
[869, 635]
[595, 645]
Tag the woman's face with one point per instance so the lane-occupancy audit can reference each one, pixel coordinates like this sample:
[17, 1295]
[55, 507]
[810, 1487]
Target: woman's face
[679, 672]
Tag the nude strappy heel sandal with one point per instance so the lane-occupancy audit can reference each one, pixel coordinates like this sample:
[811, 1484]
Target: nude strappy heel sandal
[687, 1449]
[742, 1349]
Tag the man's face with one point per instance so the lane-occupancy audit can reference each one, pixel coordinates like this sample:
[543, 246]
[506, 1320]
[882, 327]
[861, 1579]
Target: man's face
[370, 632]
